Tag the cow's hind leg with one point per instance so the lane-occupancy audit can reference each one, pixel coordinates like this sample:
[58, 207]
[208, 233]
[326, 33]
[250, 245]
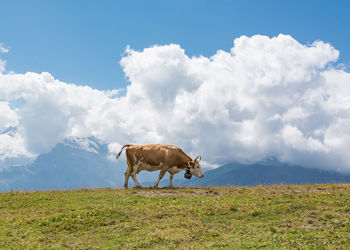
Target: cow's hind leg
[127, 173]
[161, 174]
[133, 175]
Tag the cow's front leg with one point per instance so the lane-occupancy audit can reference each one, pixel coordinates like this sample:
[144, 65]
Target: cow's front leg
[161, 174]
[135, 180]
[171, 180]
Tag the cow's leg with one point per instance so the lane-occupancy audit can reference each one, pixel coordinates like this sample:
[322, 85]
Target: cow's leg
[135, 180]
[161, 174]
[127, 173]
[171, 180]
[133, 175]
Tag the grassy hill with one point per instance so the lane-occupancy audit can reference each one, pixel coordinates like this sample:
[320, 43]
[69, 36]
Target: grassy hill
[315, 216]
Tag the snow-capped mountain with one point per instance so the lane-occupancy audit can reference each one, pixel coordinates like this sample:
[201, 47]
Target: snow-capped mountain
[74, 163]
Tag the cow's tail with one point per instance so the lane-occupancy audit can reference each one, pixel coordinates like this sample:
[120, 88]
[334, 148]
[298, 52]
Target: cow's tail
[121, 150]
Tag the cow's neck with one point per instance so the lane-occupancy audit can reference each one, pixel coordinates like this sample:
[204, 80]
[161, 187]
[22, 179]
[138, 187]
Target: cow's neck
[186, 160]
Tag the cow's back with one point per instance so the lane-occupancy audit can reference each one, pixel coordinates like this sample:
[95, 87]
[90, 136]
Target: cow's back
[157, 155]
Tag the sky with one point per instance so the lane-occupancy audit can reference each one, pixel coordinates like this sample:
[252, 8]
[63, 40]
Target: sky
[82, 42]
[229, 80]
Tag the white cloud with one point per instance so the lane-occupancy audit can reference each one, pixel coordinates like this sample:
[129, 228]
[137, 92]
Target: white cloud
[2, 62]
[12, 146]
[113, 149]
[2, 65]
[8, 118]
[265, 97]
[3, 49]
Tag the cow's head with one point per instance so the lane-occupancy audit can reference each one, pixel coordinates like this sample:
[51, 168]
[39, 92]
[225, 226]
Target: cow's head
[195, 168]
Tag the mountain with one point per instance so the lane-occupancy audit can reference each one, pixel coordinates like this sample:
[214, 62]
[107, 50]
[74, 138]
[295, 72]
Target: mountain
[268, 172]
[84, 163]
[75, 163]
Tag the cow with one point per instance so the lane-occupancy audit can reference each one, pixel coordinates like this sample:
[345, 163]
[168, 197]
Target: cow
[153, 157]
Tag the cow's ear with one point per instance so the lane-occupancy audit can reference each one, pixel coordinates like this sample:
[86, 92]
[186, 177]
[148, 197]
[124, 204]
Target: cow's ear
[190, 164]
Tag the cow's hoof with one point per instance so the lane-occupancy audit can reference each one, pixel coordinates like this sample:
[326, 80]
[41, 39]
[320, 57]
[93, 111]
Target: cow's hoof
[139, 186]
[155, 186]
[125, 186]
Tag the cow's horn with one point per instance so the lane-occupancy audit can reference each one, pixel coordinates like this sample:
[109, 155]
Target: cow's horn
[198, 158]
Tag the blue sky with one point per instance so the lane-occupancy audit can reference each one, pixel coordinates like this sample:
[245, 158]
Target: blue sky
[82, 42]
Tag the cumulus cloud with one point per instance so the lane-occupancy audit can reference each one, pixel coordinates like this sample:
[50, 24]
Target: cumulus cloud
[9, 118]
[265, 97]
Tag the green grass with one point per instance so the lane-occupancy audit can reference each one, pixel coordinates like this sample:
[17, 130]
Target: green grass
[313, 216]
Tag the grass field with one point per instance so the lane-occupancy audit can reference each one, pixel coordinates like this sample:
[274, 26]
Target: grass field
[314, 216]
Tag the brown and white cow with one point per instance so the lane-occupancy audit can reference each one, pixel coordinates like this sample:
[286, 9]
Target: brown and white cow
[153, 157]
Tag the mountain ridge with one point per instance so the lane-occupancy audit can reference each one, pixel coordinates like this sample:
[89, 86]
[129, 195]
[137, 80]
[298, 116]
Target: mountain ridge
[273, 173]
[86, 163]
